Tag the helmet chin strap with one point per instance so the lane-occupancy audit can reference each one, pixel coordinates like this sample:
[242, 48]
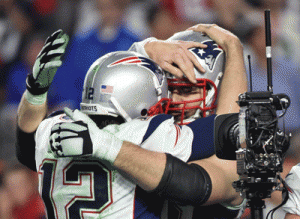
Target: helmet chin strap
[120, 109]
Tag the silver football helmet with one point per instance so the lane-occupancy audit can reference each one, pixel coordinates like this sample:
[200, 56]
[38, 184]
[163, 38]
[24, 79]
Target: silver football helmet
[212, 59]
[124, 84]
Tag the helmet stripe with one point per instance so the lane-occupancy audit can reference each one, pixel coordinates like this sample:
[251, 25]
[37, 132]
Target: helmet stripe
[125, 60]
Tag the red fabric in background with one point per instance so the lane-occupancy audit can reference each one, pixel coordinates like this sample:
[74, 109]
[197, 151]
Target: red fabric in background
[33, 209]
[45, 7]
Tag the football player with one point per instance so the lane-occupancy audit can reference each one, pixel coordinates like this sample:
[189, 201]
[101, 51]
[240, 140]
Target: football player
[233, 83]
[88, 195]
[191, 103]
[89, 94]
[118, 87]
[187, 109]
[192, 109]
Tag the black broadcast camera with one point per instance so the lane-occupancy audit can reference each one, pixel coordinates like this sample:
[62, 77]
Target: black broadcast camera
[252, 137]
[254, 140]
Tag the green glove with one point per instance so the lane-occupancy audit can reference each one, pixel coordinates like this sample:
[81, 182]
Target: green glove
[45, 67]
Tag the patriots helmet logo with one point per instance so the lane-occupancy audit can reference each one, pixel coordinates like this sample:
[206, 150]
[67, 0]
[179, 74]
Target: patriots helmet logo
[142, 61]
[210, 54]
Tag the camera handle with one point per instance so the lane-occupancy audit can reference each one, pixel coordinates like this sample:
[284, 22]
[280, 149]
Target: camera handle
[256, 206]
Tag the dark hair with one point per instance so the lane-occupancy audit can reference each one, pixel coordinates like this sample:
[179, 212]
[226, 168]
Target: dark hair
[103, 121]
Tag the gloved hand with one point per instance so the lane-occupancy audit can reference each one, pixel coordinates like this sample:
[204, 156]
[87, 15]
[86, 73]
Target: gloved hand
[83, 138]
[45, 67]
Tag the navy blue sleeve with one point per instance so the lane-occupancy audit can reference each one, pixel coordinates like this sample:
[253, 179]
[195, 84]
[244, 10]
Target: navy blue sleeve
[203, 143]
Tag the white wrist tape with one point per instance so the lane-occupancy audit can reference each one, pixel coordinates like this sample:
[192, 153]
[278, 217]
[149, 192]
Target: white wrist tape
[35, 99]
[108, 149]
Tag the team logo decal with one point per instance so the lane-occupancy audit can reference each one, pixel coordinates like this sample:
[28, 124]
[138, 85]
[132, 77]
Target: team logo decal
[209, 54]
[144, 62]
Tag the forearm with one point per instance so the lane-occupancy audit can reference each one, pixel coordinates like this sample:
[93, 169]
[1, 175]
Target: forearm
[222, 174]
[33, 106]
[164, 175]
[234, 81]
[29, 115]
[29, 118]
[144, 167]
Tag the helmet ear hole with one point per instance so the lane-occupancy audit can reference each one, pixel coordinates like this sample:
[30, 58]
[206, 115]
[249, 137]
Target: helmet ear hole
[144, 112]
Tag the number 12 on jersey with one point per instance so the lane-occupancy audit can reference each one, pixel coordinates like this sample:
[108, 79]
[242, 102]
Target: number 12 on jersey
[78, 188]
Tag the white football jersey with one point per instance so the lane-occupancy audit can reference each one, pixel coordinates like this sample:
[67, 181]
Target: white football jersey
[292, 206]
[85, 188]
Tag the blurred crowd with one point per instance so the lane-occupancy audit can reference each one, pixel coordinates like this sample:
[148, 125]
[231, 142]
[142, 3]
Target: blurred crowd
[97, 27]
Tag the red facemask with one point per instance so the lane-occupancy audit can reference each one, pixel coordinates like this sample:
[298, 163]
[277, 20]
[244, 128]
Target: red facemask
[208, 87]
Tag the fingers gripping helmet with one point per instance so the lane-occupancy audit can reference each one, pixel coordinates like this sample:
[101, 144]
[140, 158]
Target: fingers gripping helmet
[124, 84]
[212, 59]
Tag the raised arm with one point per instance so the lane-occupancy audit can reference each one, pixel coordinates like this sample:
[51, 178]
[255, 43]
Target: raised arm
[234, 81]
[33, 106]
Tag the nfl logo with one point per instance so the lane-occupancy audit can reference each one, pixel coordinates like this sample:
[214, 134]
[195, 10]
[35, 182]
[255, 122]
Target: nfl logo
[107, 89]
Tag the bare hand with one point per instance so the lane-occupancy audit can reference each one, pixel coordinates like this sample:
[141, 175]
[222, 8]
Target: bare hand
[174, 57]
[222, 37]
